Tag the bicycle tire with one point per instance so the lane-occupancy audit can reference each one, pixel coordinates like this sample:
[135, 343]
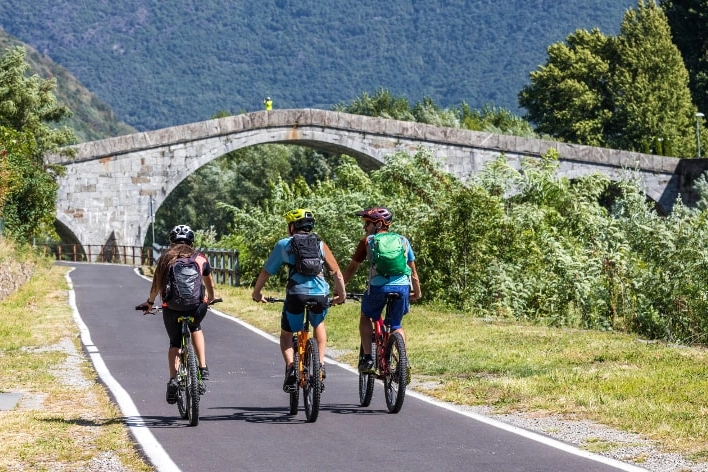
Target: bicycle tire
[295, 394]
[192, 387]
[182, 390]
[395, 377]
[312, 390]
[366, 384]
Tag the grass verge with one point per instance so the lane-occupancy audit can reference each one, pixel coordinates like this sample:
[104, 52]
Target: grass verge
[65, 419]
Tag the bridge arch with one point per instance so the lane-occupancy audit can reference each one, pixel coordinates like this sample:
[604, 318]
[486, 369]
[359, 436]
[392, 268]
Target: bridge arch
[106, 192]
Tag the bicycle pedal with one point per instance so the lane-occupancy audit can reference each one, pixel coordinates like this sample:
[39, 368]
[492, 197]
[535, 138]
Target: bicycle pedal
[202, 388]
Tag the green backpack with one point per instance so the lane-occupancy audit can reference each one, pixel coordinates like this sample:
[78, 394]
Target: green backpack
[389, 254]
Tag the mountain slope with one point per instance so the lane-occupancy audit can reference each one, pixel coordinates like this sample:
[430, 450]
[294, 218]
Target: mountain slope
[92, 119]
[165, 63]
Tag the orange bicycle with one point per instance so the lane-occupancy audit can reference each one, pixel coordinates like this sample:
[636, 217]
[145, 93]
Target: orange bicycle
[388, 351]
[307, 365]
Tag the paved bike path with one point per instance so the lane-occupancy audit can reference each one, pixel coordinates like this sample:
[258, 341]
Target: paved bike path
[244, 423]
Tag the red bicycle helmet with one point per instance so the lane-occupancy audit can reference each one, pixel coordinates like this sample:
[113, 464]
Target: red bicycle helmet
[377, 214]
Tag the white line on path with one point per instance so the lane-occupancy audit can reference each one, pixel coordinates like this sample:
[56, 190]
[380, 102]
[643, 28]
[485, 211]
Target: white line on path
[148, 443]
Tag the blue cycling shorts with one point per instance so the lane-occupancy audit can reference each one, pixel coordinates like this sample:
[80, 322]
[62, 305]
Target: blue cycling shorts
[374, 302]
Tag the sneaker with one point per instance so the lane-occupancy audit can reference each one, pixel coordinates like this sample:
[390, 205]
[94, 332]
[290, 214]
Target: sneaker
[290, 379]
[204, 371]
[366, 365]
[171, 395]
[202, 388]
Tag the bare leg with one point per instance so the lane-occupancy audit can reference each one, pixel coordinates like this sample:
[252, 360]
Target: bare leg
[173, 360]
[321, 336]
[286, 347]
[199, 347]
[365, 331]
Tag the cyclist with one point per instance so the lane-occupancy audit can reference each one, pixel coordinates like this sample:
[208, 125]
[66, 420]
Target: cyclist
[378, 220]
[181, 241]
[301, 288]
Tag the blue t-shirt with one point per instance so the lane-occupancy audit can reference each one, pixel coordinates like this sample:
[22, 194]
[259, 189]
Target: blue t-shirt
[300, 284]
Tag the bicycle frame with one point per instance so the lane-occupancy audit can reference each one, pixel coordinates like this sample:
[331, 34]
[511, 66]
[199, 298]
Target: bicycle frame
[307, 366]
[391, 362]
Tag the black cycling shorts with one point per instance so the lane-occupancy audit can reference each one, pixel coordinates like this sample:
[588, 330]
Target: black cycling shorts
[174, 329]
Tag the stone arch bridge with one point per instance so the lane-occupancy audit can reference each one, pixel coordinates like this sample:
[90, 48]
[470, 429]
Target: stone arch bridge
[104, 198]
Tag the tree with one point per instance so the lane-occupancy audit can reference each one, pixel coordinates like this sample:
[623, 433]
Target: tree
[627, 92]
[689, 29]
[28, 108]
[649, 86]
[568, 97]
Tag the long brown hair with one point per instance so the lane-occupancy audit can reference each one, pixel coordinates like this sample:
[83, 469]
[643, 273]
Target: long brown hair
[166, 259]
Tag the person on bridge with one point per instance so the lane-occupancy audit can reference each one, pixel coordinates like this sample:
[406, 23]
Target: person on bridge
[304, 285]
[377, 221]
[181, 241]
[268, 103]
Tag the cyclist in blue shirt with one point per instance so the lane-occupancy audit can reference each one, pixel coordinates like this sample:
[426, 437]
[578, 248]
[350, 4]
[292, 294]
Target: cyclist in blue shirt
[301, 288]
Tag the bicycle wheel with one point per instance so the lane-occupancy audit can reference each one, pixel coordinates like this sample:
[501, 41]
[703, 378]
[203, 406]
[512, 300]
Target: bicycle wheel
[295, 394]
[182, 390]
[192, 387]
[395, 376]
[366, 384]
[313, 386]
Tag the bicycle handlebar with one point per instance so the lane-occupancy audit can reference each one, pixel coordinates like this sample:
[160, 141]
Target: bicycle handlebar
[155, 308]
[274, 300]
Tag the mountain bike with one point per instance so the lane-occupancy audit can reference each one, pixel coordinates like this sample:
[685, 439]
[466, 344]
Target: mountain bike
[388, 351]
[189, 377]
[306, 358]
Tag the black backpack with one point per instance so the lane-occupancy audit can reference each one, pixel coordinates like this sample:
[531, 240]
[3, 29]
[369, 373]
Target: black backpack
[308, 257]
[185, 286]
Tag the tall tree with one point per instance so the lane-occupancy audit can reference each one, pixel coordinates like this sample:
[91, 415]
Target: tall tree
[568, 97]
[629, 92]
[29, 116]
[688, 20]
[650, 86]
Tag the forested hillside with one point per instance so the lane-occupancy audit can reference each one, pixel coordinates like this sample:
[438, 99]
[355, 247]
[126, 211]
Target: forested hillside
[91, 118]
[164, 63]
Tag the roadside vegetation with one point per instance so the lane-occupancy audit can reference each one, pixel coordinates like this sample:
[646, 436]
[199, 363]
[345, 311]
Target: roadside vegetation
[64, 419]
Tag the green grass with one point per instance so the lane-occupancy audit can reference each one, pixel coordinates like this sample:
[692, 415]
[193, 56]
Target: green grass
[649, 388]
[57, 425]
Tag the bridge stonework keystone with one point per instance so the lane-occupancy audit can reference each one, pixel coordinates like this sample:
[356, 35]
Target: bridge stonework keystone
[104, 198]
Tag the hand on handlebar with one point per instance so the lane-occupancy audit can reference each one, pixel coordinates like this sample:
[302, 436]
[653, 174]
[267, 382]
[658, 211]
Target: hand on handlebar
[338, 300]
[258, 297]
[146, 308]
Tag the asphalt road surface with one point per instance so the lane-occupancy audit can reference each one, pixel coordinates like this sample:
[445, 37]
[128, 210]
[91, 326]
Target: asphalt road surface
[244, 422]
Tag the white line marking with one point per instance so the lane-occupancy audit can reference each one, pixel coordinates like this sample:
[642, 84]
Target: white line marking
[157, 456]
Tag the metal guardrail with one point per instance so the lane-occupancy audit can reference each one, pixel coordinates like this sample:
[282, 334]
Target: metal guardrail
[224, 262]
